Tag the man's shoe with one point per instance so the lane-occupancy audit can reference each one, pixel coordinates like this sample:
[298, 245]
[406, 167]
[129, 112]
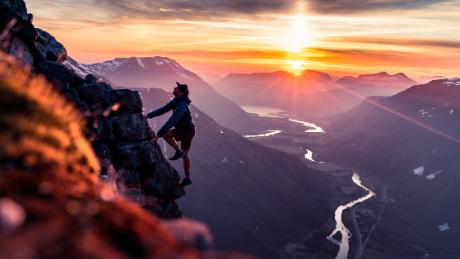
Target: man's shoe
[179, 154]
[186, 181]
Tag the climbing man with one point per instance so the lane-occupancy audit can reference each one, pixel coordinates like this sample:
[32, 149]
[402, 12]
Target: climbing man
[184, 128]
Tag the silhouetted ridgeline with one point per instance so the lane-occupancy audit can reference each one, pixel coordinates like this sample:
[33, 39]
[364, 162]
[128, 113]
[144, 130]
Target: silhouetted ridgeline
[52, 203]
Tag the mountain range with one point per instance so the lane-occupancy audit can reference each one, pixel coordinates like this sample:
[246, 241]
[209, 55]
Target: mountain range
[396, 82]
[162, 72]
[307, 94]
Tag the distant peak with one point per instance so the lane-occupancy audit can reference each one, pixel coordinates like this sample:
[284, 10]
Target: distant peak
[380, 74]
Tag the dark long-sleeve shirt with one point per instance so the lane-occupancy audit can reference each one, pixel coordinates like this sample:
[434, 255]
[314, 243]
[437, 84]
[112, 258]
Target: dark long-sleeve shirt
[181, 118]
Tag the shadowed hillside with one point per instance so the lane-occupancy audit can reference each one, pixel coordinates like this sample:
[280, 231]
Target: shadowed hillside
[254, 198]
[410, 141]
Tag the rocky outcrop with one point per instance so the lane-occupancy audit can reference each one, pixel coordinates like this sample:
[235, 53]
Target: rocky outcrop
[52, 204]
[50, 48]
[114, 123]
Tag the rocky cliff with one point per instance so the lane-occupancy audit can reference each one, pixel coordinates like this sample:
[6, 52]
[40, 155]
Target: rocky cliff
[114, 123]
[60, 135]
[52, 204]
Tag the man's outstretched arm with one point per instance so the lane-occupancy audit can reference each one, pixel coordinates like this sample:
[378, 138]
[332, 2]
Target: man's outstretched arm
[160, 111]
[175, 117]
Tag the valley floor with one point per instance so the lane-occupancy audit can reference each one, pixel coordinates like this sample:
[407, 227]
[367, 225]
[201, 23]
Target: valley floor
[366, 221]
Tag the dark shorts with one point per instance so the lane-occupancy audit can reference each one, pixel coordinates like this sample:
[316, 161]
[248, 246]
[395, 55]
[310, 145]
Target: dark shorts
[184, 136]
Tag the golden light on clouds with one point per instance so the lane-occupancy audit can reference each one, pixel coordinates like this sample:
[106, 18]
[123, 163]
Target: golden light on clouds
[421, 41]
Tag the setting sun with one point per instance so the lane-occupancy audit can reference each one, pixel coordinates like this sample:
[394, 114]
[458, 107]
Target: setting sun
[296, 66]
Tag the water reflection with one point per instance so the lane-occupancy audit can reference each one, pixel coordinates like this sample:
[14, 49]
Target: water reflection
[267, 134]
[313, 128]
[343, 244]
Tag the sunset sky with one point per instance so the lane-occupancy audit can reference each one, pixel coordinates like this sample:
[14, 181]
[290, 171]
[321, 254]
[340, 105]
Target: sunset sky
[419, 37]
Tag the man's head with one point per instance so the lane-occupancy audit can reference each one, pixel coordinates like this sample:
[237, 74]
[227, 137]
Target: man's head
[180, 90]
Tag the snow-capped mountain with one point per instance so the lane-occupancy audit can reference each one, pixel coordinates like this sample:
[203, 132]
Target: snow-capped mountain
[80, 69]
[163, 72]
[398, 81]
[151, 64]
[120, 66]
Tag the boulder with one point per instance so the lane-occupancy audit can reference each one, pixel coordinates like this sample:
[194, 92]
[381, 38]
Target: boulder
[17, 7]
[97, 95]
[20, 50]
[138, 154]
[104, 154]
[90, 79]
[128, 177]
[161, 180]
[131, 127]
[129, 101]
[40, 53]
[72, 95]
[103, 128]
[55, 51]
[165, 209]
[25, 31]
[127, 156]
[128, 184]
[102, 150]
[57, 73]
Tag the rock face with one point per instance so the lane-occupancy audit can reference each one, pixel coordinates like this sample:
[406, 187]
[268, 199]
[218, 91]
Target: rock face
[18, 7]
[119, 133]
[54, 50]
[51, 202]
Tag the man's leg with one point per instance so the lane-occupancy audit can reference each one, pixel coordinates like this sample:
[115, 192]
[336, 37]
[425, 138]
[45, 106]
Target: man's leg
[185, 145]
[169, 138]
[186, 162]
[187, 180]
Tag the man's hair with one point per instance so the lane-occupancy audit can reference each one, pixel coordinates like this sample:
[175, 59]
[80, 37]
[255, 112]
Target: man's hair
[183, 88]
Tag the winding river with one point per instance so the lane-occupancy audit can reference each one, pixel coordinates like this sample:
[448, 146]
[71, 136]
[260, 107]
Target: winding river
[312, 128]
[343, 244]
[266, 134]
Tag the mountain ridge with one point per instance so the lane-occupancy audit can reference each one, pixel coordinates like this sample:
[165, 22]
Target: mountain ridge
[399, 80]
[163, 72]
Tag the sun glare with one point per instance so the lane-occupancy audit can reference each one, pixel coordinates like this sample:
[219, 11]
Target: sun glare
[296, 66]
[299, 38]
[299, 34]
